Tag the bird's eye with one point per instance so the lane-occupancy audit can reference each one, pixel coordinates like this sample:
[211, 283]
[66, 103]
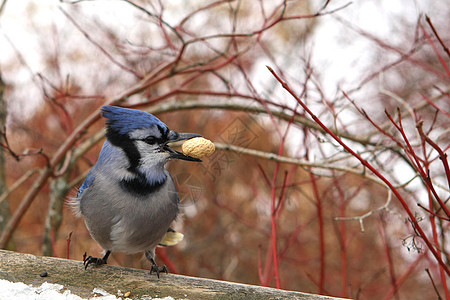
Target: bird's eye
[150, 140]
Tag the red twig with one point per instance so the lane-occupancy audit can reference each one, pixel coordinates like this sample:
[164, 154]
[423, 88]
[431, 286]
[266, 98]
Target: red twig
[266, 179]
[432, 216]
[318, 199]
[430, 41]
[442, 154]
[342, 239]
[414, 160]
[381, 226]
[260, 274]
[437, 35]
[52, 237]
[403, 277]
[282, 194]
[268, 263]
[432, 213]
[446, 113]
[162, 254]
[437, 243]
[69, 239]
[275, 209]
[405, 206]
[318, 202]
[273, 222]
[242, 219]
[424, 174]
[418, 161]
[5, 145]
[434, 285]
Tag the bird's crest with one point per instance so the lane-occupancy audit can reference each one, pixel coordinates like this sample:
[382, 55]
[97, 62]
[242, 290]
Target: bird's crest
[125, 120]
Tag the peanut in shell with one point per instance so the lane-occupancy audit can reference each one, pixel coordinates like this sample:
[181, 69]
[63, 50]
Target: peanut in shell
[198, 147]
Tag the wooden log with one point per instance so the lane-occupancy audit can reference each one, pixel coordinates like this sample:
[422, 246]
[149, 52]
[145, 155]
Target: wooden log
[27, 268]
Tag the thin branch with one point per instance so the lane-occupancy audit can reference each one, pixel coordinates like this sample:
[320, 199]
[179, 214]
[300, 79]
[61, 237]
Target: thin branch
[442, 154]
[430, 41]
[18, 183]
[98, 46]
[2, 7]
[147, 12]
[436, 34]
[361, 218]
[403, 55]
[371, 168]
[418, 162]
[432, 213]
[295, 161]
[381, 229]
[434, 285]
[430, 102]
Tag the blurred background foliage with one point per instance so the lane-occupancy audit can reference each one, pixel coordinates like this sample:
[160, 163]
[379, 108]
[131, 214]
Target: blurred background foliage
[166, 56]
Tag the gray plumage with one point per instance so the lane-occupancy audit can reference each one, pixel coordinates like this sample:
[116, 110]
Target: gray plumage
[129, 199]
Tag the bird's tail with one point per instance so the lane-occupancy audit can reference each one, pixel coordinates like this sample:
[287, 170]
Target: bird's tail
[74, 204]
[171, 238]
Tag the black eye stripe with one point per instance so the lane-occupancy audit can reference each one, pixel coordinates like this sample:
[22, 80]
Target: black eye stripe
[126, 144]
[164, 132]
[151, 140]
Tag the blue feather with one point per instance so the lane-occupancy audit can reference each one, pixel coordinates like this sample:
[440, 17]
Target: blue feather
[125, 120]
[87, 183]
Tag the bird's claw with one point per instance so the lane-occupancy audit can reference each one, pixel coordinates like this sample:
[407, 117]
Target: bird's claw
[157, 269]
[93, 260]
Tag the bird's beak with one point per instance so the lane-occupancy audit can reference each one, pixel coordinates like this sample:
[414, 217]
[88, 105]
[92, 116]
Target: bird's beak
[180, 136]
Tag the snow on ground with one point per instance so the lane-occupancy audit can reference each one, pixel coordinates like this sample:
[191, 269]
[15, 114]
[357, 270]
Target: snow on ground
[20, 290]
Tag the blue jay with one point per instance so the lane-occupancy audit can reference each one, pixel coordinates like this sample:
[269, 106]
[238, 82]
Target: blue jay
[129, 199]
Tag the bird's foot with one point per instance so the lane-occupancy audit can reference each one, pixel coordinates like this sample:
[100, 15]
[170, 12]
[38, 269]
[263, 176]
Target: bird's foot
[157, 269]
[95, 260]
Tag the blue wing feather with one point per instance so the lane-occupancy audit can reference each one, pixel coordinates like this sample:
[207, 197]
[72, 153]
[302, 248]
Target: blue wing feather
[87, 183]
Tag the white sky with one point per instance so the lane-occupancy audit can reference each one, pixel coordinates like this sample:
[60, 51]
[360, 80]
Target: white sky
[341, 61]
